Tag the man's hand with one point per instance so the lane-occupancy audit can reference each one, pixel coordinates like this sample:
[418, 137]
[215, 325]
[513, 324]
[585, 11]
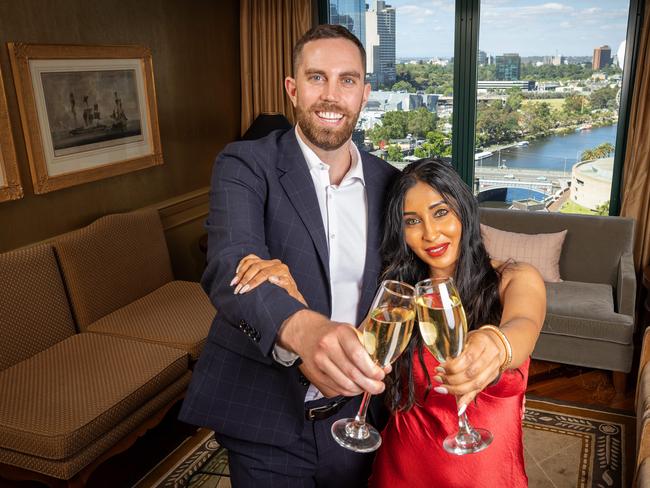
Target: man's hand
[333, 358]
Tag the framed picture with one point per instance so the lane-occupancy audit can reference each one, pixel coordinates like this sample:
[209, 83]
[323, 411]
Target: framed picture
[10, 188]
[88, 112]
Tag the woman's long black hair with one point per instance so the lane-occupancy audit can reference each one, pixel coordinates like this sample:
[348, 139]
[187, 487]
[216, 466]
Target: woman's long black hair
[475, 278]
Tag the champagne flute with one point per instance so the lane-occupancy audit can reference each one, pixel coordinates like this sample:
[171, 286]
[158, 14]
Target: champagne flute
[443, 327]
[385, 335]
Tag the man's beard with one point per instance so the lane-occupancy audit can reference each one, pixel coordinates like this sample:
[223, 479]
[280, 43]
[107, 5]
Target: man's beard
[326, 138]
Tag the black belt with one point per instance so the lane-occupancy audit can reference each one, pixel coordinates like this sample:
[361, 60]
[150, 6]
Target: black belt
[327, 410]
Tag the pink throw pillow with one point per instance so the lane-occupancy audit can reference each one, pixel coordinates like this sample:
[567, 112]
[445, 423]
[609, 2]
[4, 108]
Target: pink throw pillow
[540, 250]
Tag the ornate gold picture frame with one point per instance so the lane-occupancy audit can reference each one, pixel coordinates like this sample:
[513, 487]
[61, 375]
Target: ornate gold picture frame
[10, 188]
[88, 112]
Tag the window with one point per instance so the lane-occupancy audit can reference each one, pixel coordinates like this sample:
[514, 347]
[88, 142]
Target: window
[409, 113]
[546, 87]
[548, 96]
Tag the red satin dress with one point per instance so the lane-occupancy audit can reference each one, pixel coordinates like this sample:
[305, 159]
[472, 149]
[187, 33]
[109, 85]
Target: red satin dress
[412, 456]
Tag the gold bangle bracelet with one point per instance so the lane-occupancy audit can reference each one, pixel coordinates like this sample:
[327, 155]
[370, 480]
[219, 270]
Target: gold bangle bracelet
[506, 344]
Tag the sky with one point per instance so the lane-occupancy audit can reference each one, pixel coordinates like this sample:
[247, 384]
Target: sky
[425, 28]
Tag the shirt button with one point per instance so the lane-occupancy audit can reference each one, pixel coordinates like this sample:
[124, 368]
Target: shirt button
[332, 236]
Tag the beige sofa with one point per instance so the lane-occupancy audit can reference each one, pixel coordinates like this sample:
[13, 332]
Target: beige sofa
[72, 399]
[119, 277]
[590, 314]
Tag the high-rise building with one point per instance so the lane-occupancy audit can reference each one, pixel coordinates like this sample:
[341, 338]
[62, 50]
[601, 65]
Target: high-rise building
[350, 14]
[602, 57]
[508, 67]
[482, 58]
[380, 44]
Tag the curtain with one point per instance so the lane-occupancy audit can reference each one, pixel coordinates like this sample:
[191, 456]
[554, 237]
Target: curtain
[636, 169]
[269, 30]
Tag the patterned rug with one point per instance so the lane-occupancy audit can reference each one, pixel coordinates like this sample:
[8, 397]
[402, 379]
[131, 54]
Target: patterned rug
[566, 446]
[570, 446]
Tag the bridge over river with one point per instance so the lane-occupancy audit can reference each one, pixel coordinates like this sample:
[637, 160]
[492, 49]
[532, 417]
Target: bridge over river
[546, 181]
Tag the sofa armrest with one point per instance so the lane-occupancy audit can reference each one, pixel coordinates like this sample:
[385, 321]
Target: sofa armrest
[626, 286]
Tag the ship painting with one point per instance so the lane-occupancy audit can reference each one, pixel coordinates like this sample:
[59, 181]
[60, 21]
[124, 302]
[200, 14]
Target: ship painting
[92, 109]
[91, 117]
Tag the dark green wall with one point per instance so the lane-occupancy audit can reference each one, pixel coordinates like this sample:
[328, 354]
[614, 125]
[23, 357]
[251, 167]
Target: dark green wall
[195, 47]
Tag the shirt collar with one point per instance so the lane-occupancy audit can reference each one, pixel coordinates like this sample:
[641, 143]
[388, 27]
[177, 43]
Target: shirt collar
[315, 163]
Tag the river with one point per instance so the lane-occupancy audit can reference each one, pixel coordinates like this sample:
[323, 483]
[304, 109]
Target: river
[557, 152]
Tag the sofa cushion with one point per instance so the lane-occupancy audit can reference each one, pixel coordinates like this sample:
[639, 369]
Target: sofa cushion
[585, 310]
[543, 251]
[178, 314]
[145, 417]
[34, 310]
[62, 399]
[113, 261]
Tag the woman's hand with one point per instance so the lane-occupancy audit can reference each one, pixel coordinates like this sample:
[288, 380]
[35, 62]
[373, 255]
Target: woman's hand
[476, 367]
[252, 271]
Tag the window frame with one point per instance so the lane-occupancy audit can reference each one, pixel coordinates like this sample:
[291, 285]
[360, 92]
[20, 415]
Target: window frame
[466, 35]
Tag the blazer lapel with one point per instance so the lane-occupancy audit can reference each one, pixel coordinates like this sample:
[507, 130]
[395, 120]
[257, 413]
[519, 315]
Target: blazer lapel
[373, 265]
[299, 187]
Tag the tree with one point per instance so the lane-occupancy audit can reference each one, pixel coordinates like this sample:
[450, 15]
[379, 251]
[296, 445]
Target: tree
[514, 99]
[436, 144]
[495, 125]
[487, 72]
[421, 122]
[403, 85]
[394, 125]
[603, 208]
[604, 150]
[587, 155]
[575, 104]
[537, 118]
[425, 76]
[603, 98]
[394, 153]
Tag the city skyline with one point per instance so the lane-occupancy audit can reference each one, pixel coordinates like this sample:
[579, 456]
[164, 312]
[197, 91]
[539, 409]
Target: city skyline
[425, 28]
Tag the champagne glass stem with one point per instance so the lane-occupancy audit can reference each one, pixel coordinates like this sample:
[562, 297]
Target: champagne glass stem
[358, 428]
[464, 427]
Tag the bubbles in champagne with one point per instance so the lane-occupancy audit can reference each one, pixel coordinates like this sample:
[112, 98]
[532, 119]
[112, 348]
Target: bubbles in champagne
[387, 333]
[443, 325]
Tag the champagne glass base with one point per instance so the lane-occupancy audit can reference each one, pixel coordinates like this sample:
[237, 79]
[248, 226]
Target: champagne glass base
[469, 443]
[356, 436]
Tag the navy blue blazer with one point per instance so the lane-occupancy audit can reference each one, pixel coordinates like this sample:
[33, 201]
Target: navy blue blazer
[263, 202]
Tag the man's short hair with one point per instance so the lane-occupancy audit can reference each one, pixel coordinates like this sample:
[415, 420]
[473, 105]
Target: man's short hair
[326, 31]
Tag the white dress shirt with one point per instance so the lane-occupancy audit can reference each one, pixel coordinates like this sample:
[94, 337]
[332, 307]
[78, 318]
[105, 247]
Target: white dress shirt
[344, 209]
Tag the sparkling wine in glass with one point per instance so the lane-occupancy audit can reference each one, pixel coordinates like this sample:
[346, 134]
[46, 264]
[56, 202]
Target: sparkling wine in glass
[443, 327]
[385, 335]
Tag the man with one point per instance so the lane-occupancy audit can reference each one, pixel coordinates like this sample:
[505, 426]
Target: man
[275, 374]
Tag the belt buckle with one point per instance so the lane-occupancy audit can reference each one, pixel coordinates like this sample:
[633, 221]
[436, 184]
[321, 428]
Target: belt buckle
[324, 411]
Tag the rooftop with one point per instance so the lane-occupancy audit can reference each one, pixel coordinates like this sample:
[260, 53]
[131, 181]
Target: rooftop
[600, 169]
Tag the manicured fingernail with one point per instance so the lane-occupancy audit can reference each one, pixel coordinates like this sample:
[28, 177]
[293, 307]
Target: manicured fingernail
[437, 379]
[273, 279]
[244, 289]
[234, 281]
[441, 389]
[237, 288]
[440, 369]
[461, 409]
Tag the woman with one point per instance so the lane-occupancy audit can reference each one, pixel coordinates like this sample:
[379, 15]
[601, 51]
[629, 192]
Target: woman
[432, 230]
